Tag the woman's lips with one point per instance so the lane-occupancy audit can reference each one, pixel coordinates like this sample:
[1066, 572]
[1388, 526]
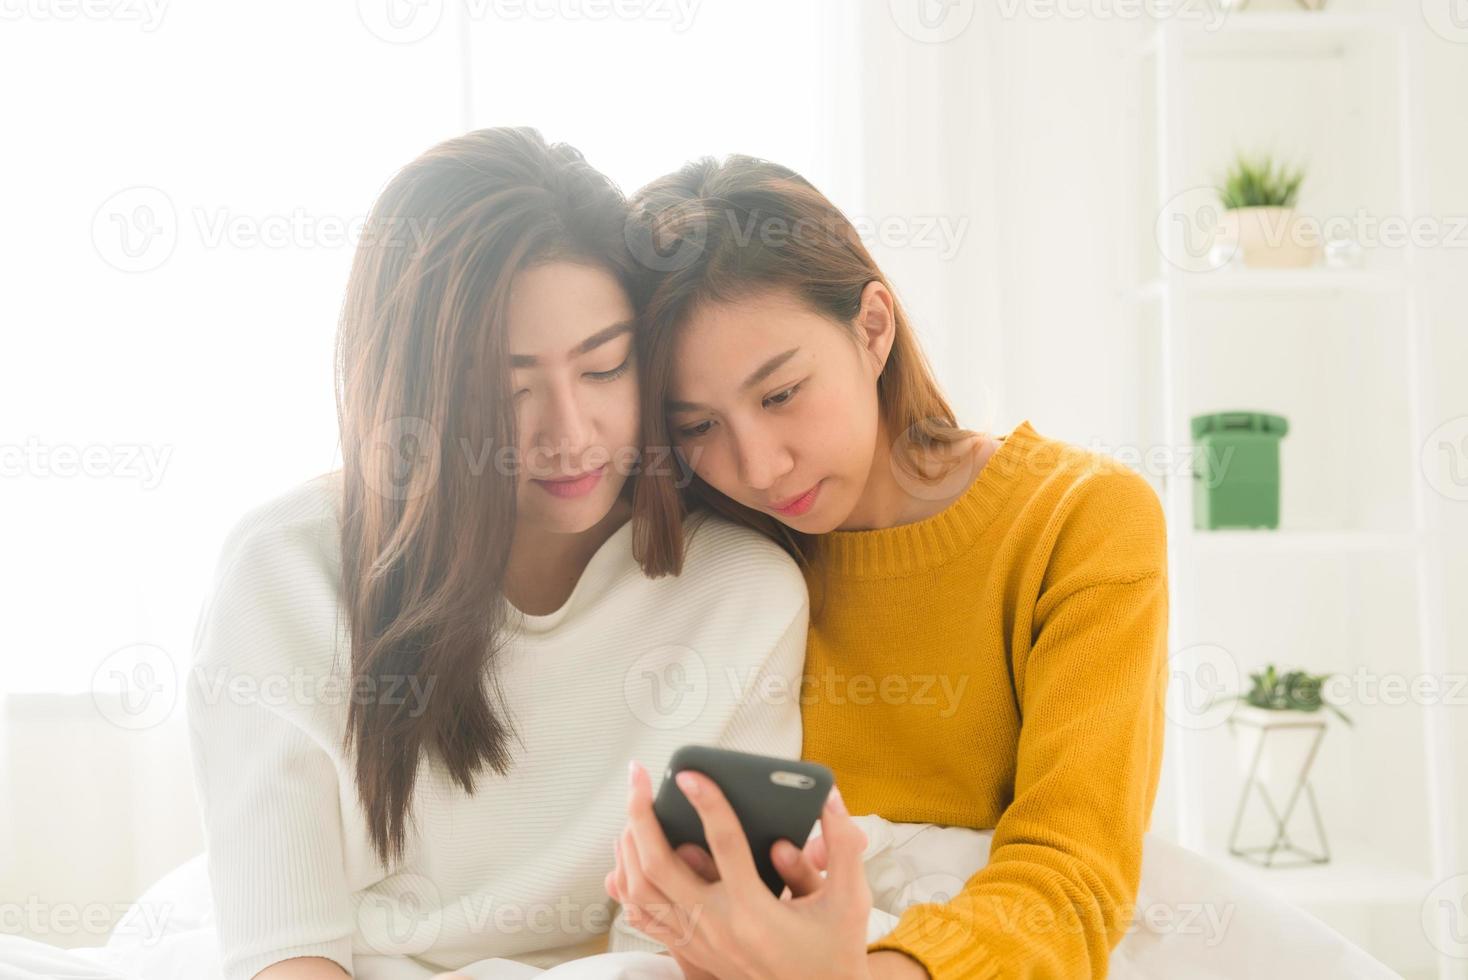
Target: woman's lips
[575, 486]
[800, 504]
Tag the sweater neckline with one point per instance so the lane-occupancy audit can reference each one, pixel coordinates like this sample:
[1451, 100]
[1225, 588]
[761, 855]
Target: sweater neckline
[604, 566]
[934, 541]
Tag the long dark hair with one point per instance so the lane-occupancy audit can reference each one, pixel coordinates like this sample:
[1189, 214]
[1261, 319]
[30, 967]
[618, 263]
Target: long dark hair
[422, 402]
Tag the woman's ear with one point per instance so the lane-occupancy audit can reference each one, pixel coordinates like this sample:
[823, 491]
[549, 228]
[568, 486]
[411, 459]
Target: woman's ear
[876, 322]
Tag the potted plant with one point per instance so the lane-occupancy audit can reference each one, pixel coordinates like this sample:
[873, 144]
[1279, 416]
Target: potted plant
[1288, 707]
[1280, 700]
[1259, 219]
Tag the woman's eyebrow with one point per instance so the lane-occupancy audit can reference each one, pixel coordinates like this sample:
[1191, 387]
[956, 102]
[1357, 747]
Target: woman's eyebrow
[586, 346]
[768, 368]
[760, 373]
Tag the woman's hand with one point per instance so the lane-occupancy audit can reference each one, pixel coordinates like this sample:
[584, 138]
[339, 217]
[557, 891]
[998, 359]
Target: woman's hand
[720, 919]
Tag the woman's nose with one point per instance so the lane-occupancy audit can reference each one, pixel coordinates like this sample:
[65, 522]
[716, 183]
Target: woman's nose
[566, 427]
[761, 461]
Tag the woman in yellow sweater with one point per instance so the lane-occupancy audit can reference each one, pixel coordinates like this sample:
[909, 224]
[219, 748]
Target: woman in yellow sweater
[987, 643]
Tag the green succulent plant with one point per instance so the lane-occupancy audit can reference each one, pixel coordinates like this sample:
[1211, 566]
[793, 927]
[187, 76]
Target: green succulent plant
[1260, 182]
[1293, 690]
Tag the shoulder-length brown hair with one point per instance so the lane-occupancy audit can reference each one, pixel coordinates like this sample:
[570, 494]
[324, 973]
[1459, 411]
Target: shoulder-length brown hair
[423, 405]
[714, 231]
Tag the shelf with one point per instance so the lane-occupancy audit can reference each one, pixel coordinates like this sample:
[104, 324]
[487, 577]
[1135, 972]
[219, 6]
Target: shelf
[1338, 351]
[1355, 875]
[1256, 281]
[1267, 542]
[1289, 22]
[1241, 34]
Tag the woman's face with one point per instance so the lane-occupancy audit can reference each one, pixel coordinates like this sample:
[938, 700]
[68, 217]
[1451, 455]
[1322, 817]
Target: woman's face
[575, 392]
[775, 406]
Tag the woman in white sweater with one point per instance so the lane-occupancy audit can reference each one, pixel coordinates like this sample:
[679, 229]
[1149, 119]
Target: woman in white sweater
[421, 679]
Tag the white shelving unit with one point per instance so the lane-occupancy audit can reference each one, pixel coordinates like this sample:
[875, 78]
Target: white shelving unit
[1351, 582]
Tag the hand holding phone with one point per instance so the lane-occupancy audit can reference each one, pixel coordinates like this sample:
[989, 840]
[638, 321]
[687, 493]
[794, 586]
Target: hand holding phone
[773, 798]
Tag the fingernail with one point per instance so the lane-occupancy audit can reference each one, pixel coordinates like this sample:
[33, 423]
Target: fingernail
[631, 773]
[688, 784]
[837, 804]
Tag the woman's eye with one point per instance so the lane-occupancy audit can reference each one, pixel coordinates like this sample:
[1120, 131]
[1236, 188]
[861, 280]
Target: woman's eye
[782, 397]
[696, 430]
[613, 374]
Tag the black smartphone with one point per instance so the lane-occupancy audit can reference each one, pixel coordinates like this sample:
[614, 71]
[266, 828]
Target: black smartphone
[774, 799]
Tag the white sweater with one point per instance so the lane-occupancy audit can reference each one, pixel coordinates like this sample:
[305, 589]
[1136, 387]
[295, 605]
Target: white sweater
[628, 668]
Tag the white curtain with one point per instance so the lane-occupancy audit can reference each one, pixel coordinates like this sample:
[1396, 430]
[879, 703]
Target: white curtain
[179, 198]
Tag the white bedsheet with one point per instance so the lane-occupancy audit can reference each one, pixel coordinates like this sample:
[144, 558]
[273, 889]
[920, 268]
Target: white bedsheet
[1195, 919]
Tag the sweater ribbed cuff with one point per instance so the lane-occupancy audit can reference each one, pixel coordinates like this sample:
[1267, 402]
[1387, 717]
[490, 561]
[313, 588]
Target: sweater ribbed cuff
[338, 951]
[946, 947]
[625, 939]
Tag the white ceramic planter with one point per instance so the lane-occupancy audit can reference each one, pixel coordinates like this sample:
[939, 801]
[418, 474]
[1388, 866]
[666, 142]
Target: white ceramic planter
[1290, 735]
[1272, 238]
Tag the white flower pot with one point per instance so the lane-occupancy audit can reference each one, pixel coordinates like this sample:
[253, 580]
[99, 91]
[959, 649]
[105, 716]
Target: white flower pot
[1288, 737]
[1272, 238]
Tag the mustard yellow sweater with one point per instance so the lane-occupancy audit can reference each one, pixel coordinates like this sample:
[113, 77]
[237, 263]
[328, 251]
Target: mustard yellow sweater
[1002, 665]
